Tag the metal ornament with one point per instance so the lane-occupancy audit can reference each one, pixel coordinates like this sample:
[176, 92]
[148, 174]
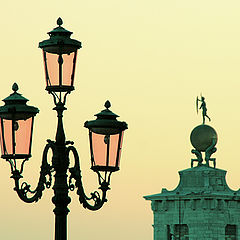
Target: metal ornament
[203, 138]
[60, 52]
[203, 107]
[57, 172]
[106, 132]
[16, 124]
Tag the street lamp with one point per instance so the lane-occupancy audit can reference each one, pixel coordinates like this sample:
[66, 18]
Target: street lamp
[16, 128]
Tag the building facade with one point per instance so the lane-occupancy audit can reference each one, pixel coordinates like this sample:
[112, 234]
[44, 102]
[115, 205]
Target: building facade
[202, 207]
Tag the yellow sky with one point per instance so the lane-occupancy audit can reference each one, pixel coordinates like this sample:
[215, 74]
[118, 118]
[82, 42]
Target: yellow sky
[150, 59]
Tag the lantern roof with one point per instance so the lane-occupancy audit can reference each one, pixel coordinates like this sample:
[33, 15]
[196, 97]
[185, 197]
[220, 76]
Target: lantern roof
[106, 119]
[60, 30]
[59, 36]
[106, 113]
[15, 104]
[15, 96]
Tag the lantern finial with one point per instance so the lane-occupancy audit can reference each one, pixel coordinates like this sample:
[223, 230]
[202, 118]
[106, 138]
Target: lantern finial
[59, 22]
[107, 104]
[15, 87]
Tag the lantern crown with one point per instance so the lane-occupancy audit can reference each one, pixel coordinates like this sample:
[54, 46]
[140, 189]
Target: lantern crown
[106, 122]
[59, 30]
[106, 113]
[60, 41]
[15, 104]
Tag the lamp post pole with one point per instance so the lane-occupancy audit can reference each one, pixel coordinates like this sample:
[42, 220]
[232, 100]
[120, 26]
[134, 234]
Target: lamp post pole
[16, 130]
[60, 163]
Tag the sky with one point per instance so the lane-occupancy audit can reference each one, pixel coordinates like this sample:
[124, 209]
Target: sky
[151, 59]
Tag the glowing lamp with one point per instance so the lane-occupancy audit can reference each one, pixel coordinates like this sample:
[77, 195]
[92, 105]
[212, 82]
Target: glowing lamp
[59, 55]
[16, 126]
[106, 137]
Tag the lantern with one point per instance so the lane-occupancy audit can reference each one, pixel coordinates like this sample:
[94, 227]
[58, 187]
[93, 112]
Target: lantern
[16, 126]
[106, 137]
[60, 55]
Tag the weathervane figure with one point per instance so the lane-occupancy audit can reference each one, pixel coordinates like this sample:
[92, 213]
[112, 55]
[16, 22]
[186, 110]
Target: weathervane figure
[203, 107]
[203, 138]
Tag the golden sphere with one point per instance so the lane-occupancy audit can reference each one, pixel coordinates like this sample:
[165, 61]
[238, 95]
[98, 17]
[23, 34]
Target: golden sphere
[202, 137]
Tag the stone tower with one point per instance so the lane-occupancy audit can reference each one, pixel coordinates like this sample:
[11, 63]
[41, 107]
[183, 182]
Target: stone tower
[202, 207]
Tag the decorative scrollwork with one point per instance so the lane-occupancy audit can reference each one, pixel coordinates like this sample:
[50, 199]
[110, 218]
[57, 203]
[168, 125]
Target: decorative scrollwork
[95, 196]
[71, 186]
[59, 98]
[75, 173]
[25, 188]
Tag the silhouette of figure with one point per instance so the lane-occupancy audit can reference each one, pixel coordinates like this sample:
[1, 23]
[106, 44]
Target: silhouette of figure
[204, 108]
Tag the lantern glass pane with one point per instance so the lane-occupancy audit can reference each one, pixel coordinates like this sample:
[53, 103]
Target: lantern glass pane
[59, 74]
[120, 149]
[20, 141]
[99, 149]
[51, 69]
[1, 138]
[105, 149]
[114, 139]
[6, 137]
[23, 133]
[68, 68]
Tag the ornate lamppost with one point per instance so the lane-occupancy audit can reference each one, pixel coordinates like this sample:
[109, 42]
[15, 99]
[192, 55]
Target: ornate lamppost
[16, 128]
